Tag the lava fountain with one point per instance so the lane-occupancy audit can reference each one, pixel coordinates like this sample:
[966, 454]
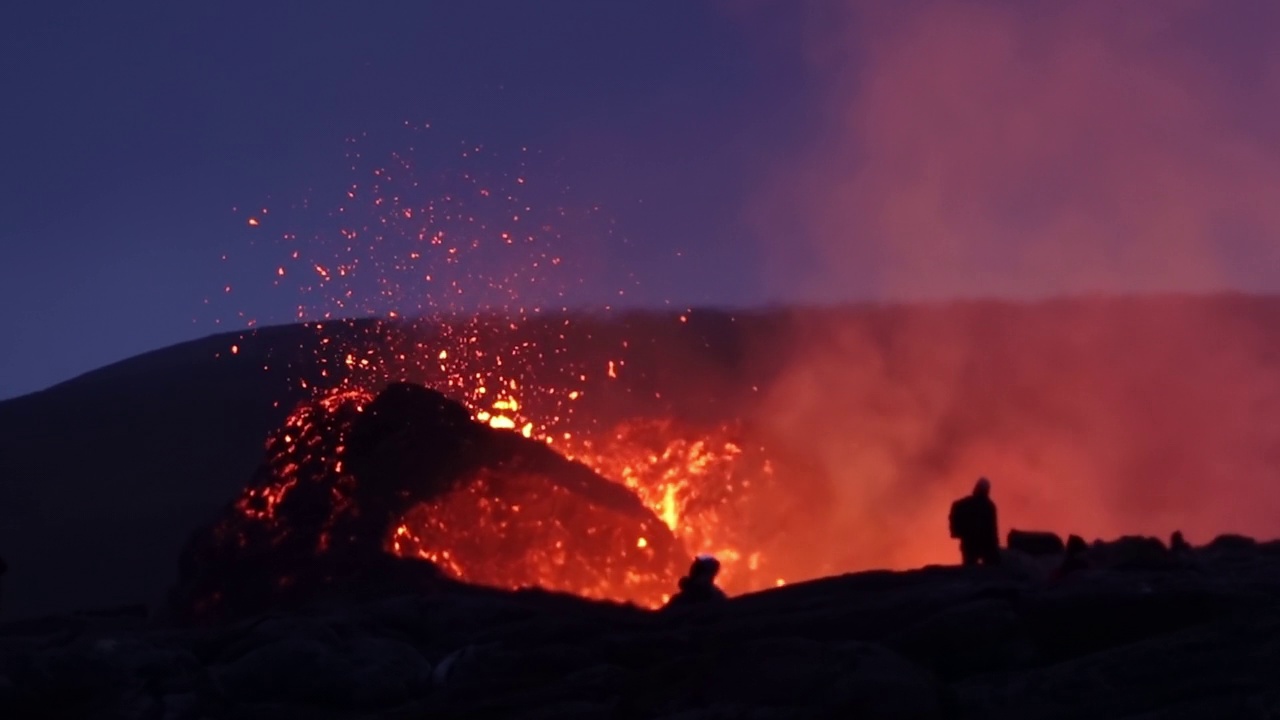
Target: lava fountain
[517, 488]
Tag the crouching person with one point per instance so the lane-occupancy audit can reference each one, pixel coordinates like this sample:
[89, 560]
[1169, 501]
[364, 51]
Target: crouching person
[699, 586]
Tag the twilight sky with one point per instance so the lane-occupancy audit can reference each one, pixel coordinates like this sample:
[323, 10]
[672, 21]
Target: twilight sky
[742, 151]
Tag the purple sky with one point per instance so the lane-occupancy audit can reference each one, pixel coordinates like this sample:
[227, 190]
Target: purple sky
[746, 151]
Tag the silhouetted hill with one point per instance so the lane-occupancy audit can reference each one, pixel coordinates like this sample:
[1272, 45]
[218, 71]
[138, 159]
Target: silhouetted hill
[1147, 412]
[104, 472]
[1137, 635]
[105, 475]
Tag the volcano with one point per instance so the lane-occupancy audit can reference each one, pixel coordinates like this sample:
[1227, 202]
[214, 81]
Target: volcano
[791, 443]
[358, 493]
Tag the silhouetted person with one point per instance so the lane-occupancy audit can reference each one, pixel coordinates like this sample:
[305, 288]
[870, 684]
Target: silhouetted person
[1178, 545]
[699, 586]
[973, 523]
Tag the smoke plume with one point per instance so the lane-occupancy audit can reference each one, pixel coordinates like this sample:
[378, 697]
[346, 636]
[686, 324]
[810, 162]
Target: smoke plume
[1029, 151]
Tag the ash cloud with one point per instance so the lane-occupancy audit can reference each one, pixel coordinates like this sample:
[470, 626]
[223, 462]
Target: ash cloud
[1028, 151]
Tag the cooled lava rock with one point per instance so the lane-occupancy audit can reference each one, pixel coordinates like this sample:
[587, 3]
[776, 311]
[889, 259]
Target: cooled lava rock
[1194, 640]
[1036, 543]
[405, 492]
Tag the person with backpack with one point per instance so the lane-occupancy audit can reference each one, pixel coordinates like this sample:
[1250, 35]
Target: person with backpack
[973, 522]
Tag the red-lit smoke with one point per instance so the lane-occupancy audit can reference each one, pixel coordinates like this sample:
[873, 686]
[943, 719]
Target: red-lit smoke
[1032, 150]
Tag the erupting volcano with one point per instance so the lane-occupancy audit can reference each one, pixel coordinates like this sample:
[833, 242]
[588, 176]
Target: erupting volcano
[479, 494]
[507, 481]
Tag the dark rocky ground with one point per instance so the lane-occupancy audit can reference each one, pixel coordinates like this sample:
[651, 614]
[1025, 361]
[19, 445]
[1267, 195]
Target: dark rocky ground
[103, 478]
[1141, 635]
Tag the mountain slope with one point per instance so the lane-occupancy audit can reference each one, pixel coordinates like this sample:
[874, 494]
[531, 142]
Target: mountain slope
[1096, 416]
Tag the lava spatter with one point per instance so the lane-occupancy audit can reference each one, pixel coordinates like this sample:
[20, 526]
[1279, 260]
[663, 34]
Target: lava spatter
[468, 272]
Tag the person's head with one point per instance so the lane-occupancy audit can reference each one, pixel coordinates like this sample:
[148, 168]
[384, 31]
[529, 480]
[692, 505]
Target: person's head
[982, 488]
[1076, 545]
[704, 568]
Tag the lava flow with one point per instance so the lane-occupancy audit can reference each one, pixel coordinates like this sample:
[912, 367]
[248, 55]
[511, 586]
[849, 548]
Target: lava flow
[613, 508]
[506, 525]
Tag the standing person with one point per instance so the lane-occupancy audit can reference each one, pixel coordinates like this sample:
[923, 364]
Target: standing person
[973, 523]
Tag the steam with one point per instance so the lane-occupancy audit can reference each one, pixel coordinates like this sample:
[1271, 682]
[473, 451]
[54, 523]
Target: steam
[1027, 151]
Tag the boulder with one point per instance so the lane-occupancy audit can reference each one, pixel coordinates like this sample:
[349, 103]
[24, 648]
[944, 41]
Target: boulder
[1132, 552]
[297, 670]
[882, 684]
[365, 672]
[70, 681]
[1230, 543]
[386, 671]
[1085, 619]
[1036, 543]
[976, 637]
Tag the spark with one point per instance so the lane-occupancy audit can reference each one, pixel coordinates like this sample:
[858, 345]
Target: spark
[476, 260]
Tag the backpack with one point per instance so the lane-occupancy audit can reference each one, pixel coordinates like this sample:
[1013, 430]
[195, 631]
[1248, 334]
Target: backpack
[957, 519]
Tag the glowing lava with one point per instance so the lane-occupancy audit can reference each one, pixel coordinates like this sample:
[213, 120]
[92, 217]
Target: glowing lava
[512, 531]
[509, 530]
[479, 259]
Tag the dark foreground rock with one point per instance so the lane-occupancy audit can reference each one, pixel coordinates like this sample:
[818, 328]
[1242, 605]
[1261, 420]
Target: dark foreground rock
[1197, 638]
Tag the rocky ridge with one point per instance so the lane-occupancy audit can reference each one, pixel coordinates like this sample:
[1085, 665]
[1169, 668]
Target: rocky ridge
[1136, 636]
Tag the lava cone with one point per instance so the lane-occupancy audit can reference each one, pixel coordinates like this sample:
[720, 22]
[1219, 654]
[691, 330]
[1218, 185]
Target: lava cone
[405, 491]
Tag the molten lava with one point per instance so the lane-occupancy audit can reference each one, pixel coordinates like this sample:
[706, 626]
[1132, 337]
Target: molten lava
[701, 484]
[516, 531]
[484, 260]
[506, 524]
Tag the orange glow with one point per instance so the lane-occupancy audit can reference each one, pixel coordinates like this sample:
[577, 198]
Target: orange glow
[878, 425]
[469, 534]
[693, 484]
[440, 255]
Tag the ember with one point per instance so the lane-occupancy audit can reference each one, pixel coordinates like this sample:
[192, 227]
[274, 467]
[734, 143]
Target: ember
[616, 514]
[411, 474]
[415, 476]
